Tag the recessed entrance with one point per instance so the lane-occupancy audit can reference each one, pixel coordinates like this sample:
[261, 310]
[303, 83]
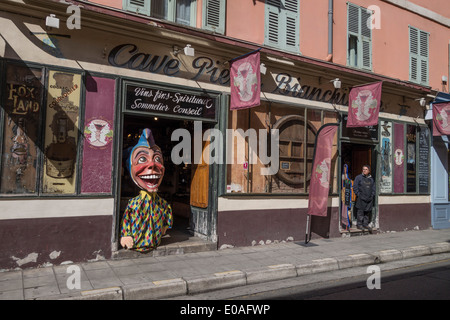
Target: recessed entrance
[353, 157]
[182, 186]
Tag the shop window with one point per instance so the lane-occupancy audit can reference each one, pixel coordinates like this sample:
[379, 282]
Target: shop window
[297, 129]
[40, 155]
[61, 132]
[21, 129]
[410, 159]
[178, 11]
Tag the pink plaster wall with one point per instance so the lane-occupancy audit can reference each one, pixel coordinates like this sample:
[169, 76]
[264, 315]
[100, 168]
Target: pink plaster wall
[245, 20]
[110, 3]
[390, 43]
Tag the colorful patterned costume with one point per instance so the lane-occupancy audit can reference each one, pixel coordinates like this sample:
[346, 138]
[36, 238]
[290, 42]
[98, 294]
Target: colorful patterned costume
[144, 219]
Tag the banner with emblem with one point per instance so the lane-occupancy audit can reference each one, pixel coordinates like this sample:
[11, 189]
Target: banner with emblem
[364, 105]
[245, 81]
[441, 119]
[321, 171]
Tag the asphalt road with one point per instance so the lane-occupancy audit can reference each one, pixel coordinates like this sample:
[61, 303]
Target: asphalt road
[422, 278]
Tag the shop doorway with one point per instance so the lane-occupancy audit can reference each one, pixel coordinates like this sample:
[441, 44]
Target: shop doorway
[184, 186]
[353, 157]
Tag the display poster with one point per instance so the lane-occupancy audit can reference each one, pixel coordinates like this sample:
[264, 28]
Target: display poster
[22, 111]
[61, 132]
[386, 157]
[424, 160]
[98, 135]
[399, 158]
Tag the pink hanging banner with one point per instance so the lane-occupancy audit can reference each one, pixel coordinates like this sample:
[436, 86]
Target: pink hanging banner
[98, 135]
[245, 82]
[441, 120]
[364, 105]
[399, 158]
[320, 177]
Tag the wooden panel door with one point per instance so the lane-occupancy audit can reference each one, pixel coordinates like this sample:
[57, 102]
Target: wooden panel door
[361, 155]
[200, 180]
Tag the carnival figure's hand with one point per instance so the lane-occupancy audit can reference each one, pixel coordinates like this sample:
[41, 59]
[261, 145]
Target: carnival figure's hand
[126, 242]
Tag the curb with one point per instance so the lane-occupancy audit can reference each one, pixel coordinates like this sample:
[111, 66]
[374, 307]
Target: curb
[199, 284]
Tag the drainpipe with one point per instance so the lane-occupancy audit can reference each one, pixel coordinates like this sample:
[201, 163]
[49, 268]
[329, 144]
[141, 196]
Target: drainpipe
[330, 31]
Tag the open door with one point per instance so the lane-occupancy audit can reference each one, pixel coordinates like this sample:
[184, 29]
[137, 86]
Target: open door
[200, 181]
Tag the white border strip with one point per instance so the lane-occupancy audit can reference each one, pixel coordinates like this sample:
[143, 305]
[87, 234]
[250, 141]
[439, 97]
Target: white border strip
[55, 208]
[245, 204]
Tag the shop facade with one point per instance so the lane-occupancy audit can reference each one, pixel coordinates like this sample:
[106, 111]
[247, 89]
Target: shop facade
[69, 115]
[68, 118]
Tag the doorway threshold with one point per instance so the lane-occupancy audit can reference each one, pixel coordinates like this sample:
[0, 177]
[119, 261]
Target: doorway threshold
[357, 232]
[174, 242]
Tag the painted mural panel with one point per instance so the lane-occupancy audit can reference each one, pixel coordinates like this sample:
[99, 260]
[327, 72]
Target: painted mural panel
[399, 158]
[61, 132]
[98, 135]
[386, 157]
[22, 105]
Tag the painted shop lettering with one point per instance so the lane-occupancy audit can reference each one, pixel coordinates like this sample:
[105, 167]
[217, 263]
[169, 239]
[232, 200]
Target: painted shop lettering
[23, 98]
[128, 56]
[285, 87]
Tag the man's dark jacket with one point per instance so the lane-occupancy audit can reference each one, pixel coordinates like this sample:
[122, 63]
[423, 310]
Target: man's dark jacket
[364, 189]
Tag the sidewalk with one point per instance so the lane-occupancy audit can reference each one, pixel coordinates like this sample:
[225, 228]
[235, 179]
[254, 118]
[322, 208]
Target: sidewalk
[159, 277]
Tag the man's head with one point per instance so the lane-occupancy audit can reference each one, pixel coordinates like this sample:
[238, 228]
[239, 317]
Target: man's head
[145, 163]
[366, 169]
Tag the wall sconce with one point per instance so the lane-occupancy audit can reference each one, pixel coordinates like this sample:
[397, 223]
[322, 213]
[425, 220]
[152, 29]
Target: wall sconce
[422, 102]
[263, 68]
[52, 22]
[336, 83]
[188, 50]
[444, 80]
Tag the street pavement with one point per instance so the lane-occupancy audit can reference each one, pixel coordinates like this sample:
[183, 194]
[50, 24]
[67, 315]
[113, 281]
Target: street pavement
[174, 271]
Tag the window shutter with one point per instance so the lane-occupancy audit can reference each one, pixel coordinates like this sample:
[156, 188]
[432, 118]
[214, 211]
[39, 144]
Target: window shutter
[273, 11]
[353, 19]
[137, 6]
[413, 54]
[366, 38]
[282, 24]
[423, 57]
[418, 55]
[357, 27]
[214, 15]
[292, 24]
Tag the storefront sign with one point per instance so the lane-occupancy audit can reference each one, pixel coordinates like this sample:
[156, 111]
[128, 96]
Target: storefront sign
[129, 56]
[147, 99]
[366, 133]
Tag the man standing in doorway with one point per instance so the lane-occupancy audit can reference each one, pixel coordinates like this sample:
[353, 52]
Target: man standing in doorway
[364, 189]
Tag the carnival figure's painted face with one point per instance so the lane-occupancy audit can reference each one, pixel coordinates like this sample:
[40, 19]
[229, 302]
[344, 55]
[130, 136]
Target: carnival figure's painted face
[147, 168]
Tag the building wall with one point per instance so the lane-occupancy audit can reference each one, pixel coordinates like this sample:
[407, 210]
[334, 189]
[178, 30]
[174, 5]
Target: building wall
[390, 43]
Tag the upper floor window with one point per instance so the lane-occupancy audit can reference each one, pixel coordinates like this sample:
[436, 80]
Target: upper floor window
[178, 11]
[418, 56]
[282, 24]
[359, 46]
